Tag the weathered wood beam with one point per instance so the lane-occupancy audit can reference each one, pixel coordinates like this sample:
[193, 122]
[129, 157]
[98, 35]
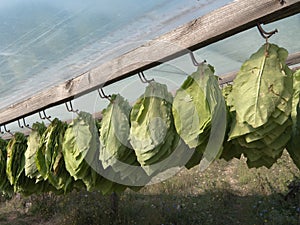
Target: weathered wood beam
[217, 25]
[293, 59]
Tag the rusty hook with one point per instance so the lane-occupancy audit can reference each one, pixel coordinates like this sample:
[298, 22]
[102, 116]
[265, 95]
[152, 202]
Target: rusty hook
[266, 35]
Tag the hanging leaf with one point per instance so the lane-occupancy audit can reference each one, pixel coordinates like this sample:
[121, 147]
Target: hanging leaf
[49, 157]
[115, 148]
[230, 150]
[5, 186]
[152, 133]
[114, 133]
[79, 146]
[259, 85]
[200, 115]
[191, 109]
[33, 143]
[293, 147]
[218, 110]
[261, 131]
[15, 157]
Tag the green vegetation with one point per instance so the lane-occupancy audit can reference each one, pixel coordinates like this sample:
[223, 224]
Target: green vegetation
[225, 193]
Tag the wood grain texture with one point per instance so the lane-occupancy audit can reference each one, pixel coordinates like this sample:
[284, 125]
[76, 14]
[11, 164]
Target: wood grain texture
[217, 25]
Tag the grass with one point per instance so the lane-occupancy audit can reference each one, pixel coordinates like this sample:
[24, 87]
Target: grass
[226, 193]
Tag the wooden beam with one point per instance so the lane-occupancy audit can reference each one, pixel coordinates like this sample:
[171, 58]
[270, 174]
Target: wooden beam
[292, 60]
[217, 25]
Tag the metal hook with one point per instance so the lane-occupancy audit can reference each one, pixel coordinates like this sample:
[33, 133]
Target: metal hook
[45, 116]
[194, 61]
[7, 131]
[20, 124]
[71, 108]
[26, 125]
[103, 95]
[266, 35]
[41, 116]
[143, 78]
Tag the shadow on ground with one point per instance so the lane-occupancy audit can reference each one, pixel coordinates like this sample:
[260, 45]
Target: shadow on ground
[216, 207]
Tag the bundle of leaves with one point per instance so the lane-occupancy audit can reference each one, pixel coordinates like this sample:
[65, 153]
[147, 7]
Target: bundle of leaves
[293, 147]
[80, 146]
[199, 111]
[115, 149]
[15, 158]
[152, 133]
[5, 185]
[230, 150]
[261, 103]
[31, 170]
[33, 142]
[49, 157]
[81, 154]
[15, 168]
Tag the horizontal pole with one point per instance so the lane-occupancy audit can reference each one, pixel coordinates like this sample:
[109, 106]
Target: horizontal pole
[292, 59]
[217, 25]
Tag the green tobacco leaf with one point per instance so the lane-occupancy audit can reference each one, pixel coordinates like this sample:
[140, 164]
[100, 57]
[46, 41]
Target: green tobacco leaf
[200, 115]
[218, 110]
[191, 110]
[79, 145]
[16, 169]
[115, 149]
[49, 157]
[263, 161]
[5, 185]
[259, 85]
[152, 132]
[261, 102]
[33, 143]
[293, 147]
[15, 158]
[114, 132]
[230, 151]
[296, 97]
